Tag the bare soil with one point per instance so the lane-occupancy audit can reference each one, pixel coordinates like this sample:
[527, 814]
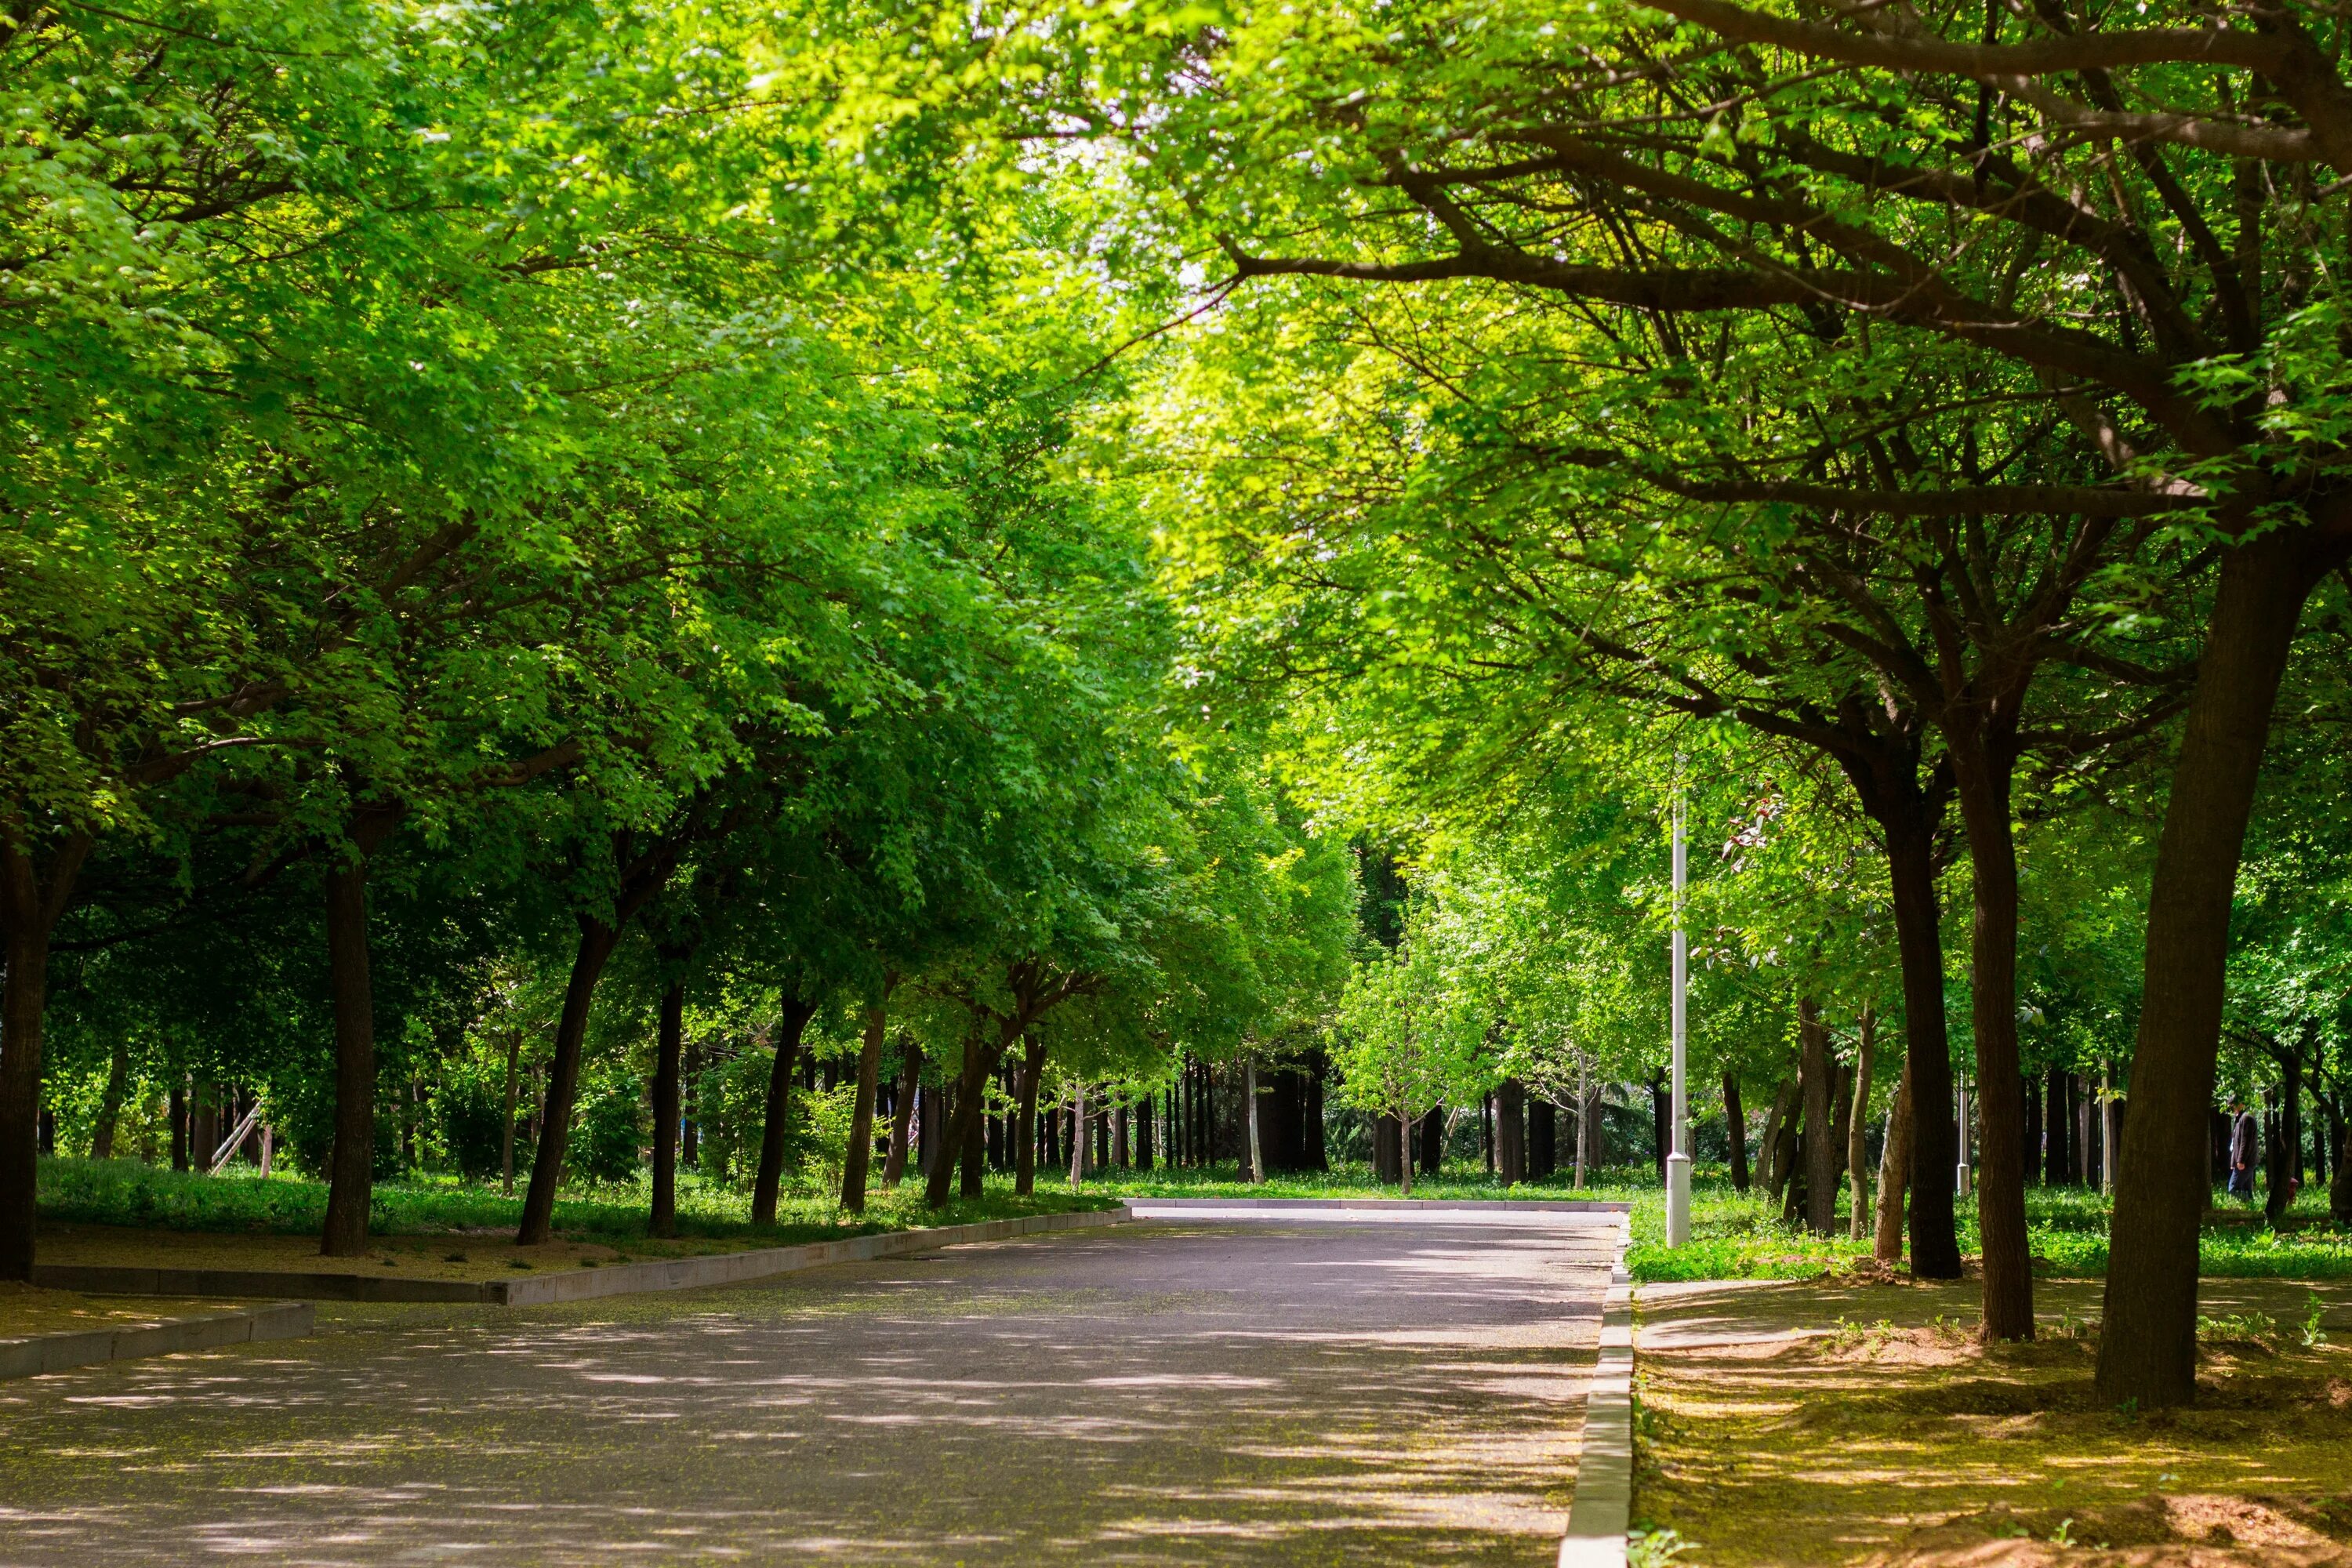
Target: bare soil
[1800, 1422]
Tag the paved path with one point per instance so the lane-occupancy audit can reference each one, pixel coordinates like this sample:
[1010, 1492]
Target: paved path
[1257, 1391]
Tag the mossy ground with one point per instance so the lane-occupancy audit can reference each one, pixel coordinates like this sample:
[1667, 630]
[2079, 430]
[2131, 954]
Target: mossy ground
[1817, 1424]
[24, 1310]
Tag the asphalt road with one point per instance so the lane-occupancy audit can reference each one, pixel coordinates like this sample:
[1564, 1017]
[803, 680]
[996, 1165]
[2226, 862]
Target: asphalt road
[1258, 1392]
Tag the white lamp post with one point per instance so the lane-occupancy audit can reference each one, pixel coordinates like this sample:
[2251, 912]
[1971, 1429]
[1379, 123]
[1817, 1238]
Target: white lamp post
[1678, 1165]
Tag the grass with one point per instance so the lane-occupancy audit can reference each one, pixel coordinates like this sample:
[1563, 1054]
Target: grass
[1734, 1236]
[129, 1193]
[1739, 1236]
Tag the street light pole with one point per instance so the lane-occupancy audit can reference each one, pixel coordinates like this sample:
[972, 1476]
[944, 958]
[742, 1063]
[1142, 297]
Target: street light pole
[1678, 1164]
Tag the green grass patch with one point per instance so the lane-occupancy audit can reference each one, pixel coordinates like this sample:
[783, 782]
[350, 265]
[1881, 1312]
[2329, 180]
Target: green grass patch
[1740, 1236]
[127, 1192]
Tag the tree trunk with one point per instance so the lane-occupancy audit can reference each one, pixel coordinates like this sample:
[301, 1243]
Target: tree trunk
[1911, 874]
[1895, 1174]
[792, 1020]
[1077, 1136]
[350, 1165]
[1033, 1070]
[689, 1125]
[1767, 1149]
[1432, 1141]
[1406, 1163]
[1857, 1124]
[861, 1117]
[506, 1135]
[597, 940]
[1735, 1120]
[669, 1050]
[1257, 1172]
[110, 1104]
[176, 1108]
[1820, 1086]
[1661, 1122]
[962, 1134]
[30, 908]
[902, 1126]
[1510, 1131]
[2148, 1346]
[975, 1126]
[2339, 1191]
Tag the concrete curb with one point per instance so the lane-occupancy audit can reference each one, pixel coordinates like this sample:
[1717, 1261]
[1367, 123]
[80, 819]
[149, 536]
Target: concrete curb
[572, 1285]
[1377, 1204]
[36, 1353]
[1602, 1511]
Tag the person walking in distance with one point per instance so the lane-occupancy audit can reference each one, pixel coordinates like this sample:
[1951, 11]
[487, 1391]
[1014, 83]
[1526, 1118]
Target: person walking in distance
[2242, 1140]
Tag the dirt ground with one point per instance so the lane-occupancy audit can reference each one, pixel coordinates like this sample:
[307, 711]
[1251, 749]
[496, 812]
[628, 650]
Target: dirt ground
[25, 1311]
[1805, 1423]
[490, 1255]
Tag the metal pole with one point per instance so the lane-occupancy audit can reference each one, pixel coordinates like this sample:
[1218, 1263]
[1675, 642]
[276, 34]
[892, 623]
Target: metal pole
[1961, 1176]
[1678, 1164]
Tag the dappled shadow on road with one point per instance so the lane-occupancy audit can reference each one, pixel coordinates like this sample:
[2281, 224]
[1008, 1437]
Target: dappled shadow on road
[1163, 1395]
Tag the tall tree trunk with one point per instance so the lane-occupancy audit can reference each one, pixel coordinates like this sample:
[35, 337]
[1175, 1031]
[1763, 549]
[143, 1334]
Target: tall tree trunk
[507, 1131]
[1033, 1072]
[1510, 1131]
[1895, 1174]
[1077, 1136]
[1257, 1172]
[669, 1050]
[902, 1126]
[176, 1108]
[350, 1165]
[1767, 1149]
[962, 1130]
[110, 1104]
[1857, 1157]
[974, 1163]
[1911, 875]
[1736, 1121]
[1820, 1088]
[2147, 1345]
[792, 1018]
[861, 1117]
[597, 940]
[31, 905]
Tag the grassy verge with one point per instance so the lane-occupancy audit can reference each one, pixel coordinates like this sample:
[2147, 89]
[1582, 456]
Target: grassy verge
[127, 1193]
[1739, 1236]
[1828, 1423]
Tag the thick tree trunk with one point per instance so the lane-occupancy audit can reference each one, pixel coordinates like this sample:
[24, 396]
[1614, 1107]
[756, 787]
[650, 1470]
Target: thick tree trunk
[1821, 1143]
[669, 1050]
[861, 1117]
[974, 1163]
[350, 1166]
[1033, 1071]
[597, 940]
[1911, 873]
[1510, 1131]
[30, 908]
[1895, 1174]
[962, 1130]
[110, 1103]
[775, 1126]
[1735, 1122]
[1432, 1141]
[1857, 1129]
[2339, 1191]
[1077, 1136]
[2148, 1345]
